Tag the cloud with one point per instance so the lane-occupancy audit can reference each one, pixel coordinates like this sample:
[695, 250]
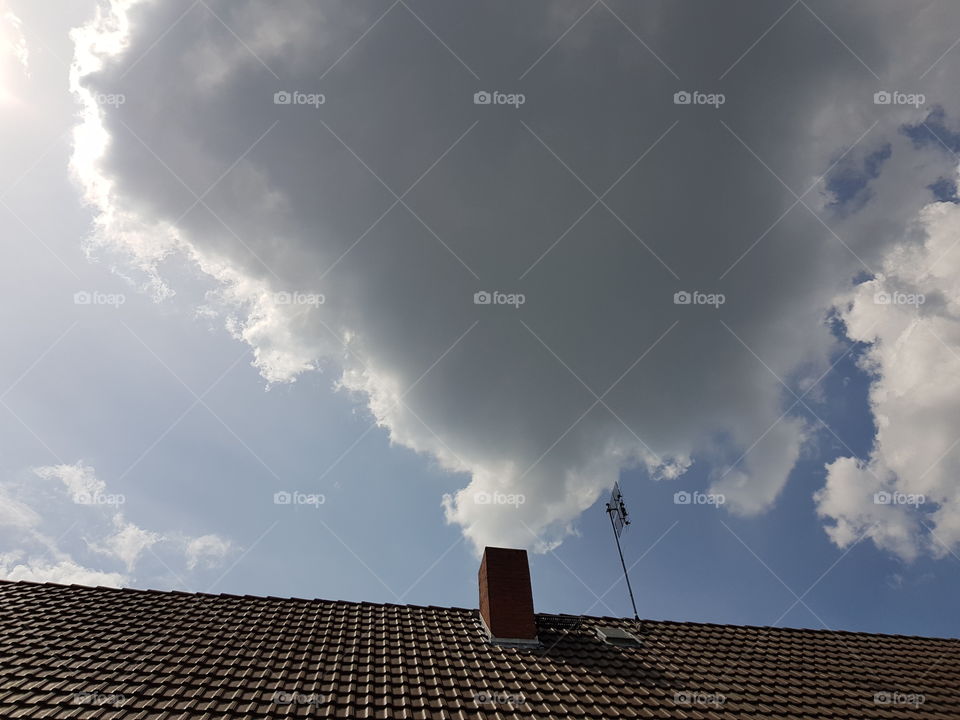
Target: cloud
[127, 543]
[39, 519]
[80, 480]
[208, 550]
[14, 513]
[398, 199]
[774, 455]
[14, 43]
[910, 316]
[13, 567]
[14, 59]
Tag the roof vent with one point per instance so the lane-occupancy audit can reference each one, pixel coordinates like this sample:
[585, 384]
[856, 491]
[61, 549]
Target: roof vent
[617, 636]
[506, 598]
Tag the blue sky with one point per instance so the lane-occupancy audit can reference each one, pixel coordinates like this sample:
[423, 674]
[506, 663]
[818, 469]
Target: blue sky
[202, 478]
[398, 390]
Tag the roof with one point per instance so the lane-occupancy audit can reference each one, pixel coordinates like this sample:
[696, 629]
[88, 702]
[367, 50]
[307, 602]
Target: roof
[80, 652]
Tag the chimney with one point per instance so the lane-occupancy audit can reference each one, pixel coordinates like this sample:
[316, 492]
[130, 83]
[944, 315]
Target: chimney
[506, 599]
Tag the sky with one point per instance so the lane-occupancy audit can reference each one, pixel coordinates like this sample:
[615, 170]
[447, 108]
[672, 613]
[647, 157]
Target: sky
[320, 299]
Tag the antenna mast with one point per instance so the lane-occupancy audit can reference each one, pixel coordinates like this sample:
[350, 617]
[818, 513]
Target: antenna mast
[619, 519]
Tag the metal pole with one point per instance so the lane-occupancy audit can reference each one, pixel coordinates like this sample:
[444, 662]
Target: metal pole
[623, 564]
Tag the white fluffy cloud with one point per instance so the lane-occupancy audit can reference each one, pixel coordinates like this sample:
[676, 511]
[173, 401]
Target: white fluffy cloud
[906, 497]
[127, 543]
[398, 199]
[80, 480]
[206, 550]
[42, 520]
[13, 566]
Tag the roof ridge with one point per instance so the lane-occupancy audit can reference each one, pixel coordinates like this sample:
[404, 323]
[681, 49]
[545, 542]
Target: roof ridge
[155, 591]
[774, 628]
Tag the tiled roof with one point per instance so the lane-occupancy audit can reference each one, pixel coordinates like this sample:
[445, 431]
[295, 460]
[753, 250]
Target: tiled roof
[78, 652]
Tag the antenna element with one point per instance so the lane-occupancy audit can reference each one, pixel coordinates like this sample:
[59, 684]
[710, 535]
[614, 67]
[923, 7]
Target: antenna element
[619, 519]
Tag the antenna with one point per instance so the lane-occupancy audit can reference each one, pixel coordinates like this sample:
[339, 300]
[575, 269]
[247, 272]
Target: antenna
[619, 519]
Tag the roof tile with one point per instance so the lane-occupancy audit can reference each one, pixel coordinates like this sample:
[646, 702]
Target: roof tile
[76, 652]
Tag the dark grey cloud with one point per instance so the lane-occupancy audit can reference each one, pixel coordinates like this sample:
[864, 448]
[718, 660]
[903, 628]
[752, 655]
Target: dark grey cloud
[598, 199]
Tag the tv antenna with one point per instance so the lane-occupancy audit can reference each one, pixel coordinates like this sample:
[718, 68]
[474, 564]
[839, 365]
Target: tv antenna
[619, 519]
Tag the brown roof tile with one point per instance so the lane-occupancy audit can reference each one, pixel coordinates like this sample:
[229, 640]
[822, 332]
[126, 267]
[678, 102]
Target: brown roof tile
[78, 652]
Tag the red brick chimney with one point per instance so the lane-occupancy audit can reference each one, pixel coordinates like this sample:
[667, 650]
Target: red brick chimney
[506, 599]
